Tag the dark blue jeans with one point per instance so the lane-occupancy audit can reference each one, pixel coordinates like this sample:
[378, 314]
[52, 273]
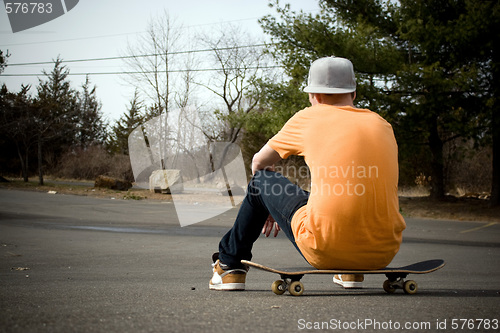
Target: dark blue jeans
[268, 193]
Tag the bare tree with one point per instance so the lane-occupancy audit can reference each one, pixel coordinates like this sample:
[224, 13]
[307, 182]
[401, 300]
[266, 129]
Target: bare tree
[240, 62]
[161, 69]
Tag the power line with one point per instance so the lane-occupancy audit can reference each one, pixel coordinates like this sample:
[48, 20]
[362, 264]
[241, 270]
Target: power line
[71, 39]
[138, 56]
[151, 72]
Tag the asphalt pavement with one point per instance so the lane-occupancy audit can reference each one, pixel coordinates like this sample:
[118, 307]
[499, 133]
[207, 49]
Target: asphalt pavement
[82, 264]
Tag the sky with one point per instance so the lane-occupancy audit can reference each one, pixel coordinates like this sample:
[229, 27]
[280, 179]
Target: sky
[101, 29]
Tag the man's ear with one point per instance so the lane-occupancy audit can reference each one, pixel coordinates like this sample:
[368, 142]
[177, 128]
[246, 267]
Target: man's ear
[312, 98]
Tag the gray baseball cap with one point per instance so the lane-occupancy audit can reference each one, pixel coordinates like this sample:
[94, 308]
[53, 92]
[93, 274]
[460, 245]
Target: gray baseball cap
[331, 75]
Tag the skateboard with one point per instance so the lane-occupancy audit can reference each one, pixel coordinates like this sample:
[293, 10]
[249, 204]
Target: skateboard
[290, 278]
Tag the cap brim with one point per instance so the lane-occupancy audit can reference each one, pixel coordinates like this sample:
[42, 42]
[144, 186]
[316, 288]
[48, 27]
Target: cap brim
[324, 90]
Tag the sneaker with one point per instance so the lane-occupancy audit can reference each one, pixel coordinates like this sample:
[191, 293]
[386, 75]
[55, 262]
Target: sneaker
[225, 278]
[349, 281]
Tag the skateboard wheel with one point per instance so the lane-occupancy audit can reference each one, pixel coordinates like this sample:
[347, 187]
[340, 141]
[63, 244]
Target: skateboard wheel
[388, 287]
[296, 288]
[410, 287]
[278, 287]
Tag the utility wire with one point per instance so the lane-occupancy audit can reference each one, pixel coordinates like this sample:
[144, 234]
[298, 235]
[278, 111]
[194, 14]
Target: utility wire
[71, 39]
[138, 56]
[152, 72]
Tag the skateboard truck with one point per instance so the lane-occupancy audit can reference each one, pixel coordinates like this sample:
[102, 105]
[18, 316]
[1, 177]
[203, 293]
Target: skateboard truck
[397, 281]
[288, 282]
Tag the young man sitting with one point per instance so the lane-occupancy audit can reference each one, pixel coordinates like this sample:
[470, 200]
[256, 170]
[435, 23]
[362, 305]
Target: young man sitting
[350, 218]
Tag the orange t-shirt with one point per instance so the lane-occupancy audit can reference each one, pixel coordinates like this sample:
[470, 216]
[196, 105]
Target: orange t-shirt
[352, 219]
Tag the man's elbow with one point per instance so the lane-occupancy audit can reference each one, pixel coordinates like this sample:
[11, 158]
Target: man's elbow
[265, 159]
[257, 163]
[260, 163]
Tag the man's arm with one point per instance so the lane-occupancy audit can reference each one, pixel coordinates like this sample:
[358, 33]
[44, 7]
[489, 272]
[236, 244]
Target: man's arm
[265, 159]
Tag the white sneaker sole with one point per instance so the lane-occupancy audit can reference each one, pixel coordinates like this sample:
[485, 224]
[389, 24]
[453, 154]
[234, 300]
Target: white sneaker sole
[348, 284]
[227, 286]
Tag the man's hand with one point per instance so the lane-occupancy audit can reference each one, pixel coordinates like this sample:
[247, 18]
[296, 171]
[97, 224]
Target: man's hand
[268, 227]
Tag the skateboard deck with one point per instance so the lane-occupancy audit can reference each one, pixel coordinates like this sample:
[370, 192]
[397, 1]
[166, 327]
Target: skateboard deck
[290, 278]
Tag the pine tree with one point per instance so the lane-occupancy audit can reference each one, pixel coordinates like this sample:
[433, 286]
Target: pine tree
[91, 129]
[3, 60]
[17, 126]
[55, 115]
[126, 124]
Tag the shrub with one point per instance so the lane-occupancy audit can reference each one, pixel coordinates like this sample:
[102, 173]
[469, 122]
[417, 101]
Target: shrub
[91, 162]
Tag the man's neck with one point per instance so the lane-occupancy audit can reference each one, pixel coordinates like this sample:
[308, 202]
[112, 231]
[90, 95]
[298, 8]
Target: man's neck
[340, 104]
[333, 100]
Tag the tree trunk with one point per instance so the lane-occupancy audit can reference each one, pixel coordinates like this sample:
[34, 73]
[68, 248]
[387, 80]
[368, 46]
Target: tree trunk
[24, 164]
[437, 165]
[495, 128]
[495, 181]
[40, 159]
